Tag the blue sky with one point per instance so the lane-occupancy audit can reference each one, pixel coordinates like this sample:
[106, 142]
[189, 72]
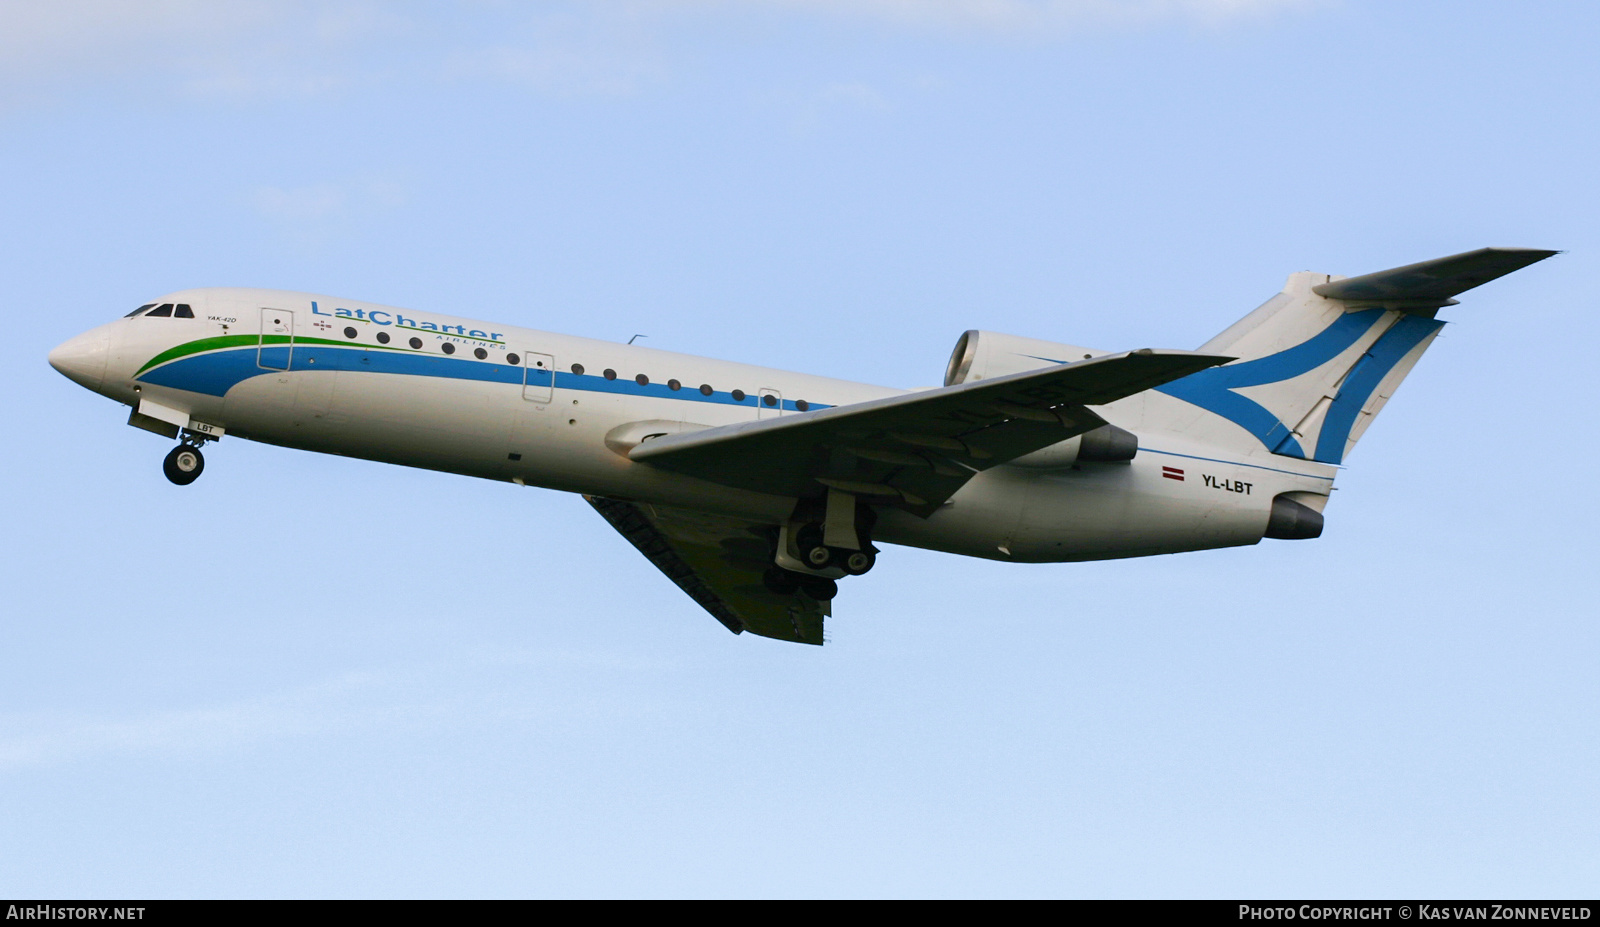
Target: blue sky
[308, 676]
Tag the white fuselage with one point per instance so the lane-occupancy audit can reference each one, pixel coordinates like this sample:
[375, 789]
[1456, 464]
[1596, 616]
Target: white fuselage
[557, 411]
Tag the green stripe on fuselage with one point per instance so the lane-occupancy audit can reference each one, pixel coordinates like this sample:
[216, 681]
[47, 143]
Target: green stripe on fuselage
[244, 341]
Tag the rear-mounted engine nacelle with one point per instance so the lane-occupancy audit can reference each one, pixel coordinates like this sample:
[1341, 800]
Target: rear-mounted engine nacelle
[986, 355]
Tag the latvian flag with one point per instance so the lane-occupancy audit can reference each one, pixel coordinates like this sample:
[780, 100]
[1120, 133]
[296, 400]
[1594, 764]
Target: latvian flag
[1172, 473]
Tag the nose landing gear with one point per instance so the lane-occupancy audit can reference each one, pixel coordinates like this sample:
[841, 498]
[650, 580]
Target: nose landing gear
[184, 463]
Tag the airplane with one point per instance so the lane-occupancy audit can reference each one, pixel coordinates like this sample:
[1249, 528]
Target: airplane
[756, 490]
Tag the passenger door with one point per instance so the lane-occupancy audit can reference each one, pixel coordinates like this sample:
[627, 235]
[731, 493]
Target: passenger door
[539, 377]
[276, 347]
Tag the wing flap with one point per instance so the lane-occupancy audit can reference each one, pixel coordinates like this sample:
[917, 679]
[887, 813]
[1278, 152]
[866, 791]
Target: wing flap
[718, 562]
[916, 450]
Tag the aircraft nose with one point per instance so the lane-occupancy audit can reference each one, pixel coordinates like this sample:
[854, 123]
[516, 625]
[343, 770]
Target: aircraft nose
[83, 359]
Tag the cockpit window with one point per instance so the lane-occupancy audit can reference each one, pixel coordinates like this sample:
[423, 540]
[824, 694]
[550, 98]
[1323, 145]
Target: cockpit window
[162, 311]
[183, 312]
[138, 310]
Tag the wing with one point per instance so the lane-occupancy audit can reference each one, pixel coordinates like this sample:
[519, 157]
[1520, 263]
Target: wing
[914, 451]
[719, 562]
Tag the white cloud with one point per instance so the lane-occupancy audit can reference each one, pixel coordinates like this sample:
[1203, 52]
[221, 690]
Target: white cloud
[495, 688]
[855, 96]
[837, 100]
[249, 48]
[311, 215]
[553, 68]
[295, 713]
[1032, 18]
[302, 204]
[79, 32]
[207, 47]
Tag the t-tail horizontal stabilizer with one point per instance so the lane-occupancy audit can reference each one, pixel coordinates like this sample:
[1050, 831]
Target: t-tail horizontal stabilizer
[1430, 284]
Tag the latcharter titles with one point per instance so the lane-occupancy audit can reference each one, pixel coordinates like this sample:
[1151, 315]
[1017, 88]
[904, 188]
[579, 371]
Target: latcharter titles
[401, 320]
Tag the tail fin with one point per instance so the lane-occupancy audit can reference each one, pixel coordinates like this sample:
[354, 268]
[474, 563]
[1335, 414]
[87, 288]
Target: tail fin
[1319, 360]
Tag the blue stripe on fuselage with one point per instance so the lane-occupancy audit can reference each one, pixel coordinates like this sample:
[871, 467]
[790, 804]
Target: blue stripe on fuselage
[217, 372]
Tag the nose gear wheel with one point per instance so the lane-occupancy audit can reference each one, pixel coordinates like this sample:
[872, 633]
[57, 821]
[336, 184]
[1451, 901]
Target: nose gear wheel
[184, 464]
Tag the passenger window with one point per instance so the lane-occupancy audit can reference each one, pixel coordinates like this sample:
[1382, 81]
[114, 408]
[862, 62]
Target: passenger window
[642, 380]
[416, 344]
[138, 310]
[802, 405]
[514, 360]
[577, 369]
[769, 399]
[610, 374]
[706, 390]
[350, 331]
[183, 312]
[738, 395]
[674, 385]
[383, 337]
[162, 311]
[447, 348]
[480, 353]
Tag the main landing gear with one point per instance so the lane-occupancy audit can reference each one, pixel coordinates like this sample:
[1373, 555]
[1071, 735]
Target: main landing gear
[824, 540]
[819, 556]
[185, 463]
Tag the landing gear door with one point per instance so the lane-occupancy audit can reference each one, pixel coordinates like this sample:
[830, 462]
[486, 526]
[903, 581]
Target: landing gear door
[277, 339]
[539, 378]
